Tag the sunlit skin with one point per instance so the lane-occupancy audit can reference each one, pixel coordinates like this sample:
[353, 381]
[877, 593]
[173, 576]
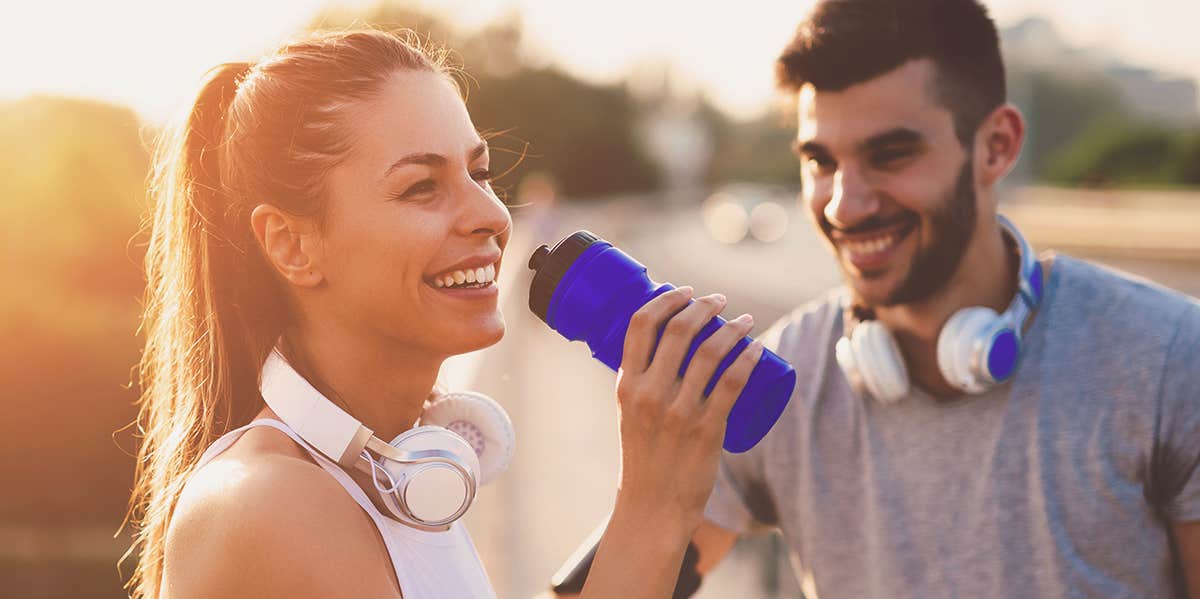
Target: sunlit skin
[877, 160]
[412, 202]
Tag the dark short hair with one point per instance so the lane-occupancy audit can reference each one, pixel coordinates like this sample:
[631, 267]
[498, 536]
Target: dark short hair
[844, 42]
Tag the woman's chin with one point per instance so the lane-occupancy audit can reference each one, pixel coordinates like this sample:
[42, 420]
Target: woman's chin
[481, 336]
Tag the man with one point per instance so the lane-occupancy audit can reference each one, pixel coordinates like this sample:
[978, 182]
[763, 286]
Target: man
[1076, 476]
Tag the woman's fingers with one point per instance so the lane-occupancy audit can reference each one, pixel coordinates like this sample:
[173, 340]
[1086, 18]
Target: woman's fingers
[678, 335]
[709, 356]
[644, 325]
[731, 383]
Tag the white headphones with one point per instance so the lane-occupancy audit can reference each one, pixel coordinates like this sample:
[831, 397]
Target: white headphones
[977, 349]
[427, 476]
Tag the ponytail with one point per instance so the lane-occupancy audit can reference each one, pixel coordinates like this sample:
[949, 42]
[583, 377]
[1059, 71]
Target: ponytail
[198, 348]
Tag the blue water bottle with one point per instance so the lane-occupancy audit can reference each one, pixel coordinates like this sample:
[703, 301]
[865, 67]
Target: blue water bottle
[588, 290]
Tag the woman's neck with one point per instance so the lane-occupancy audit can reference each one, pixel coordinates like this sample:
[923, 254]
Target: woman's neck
[382, 383]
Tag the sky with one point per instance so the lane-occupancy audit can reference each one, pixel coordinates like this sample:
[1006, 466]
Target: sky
[151, 54]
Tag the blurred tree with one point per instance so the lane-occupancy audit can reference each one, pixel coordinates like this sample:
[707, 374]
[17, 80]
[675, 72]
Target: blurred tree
[1125, 154]
[73, 191]
[753, 150]
[1058, 108]
[582, 134]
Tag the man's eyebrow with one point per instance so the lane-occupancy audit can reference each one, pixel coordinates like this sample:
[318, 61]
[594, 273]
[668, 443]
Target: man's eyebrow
[807, 148]
[897, 136]
[432, 159]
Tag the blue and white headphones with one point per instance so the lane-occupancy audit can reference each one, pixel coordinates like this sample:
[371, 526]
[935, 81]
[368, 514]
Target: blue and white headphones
[977, 349]
[427, 476]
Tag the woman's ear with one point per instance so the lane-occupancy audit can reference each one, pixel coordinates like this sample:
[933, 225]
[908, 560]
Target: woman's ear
[287, 242]
[998, 143]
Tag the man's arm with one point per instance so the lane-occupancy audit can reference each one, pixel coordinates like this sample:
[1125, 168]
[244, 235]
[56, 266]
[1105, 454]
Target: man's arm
[712, 542]
[1187, 539]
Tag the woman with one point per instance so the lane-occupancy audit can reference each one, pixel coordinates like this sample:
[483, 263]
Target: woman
[319, 201]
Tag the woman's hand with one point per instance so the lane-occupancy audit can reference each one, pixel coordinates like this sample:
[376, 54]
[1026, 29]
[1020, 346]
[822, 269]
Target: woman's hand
[670, 433]
[670, 441]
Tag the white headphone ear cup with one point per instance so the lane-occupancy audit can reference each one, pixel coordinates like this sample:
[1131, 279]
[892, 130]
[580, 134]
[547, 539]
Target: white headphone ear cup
[482, 423]
[879, 361]
[845, 359]
[433, 492]
[959, 344]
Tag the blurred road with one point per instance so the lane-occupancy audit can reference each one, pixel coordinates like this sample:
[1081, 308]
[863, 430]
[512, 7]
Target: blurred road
[562, 481]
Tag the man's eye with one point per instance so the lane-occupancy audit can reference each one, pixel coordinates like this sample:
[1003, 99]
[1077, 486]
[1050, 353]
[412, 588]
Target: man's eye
[890, 156]
[820, 164]
[482, 174]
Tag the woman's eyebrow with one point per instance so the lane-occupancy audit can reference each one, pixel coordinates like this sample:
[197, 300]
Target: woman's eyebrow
[433, 159]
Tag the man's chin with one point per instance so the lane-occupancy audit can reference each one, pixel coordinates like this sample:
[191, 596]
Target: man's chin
[872, 288]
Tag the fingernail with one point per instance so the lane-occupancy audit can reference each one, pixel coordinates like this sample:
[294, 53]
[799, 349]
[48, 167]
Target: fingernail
[685, 290]
[756, 346]
[744, 319]
[720, 298]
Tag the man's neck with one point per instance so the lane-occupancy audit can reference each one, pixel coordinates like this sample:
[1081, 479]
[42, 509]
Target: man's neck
[986, 276]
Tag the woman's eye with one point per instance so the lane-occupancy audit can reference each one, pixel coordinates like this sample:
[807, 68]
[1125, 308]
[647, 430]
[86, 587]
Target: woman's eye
[421, 187]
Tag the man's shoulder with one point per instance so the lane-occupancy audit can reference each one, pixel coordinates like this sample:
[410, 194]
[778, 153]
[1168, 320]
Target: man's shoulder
[1135, 305]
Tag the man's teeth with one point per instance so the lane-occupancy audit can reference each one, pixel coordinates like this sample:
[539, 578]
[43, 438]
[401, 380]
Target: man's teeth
[871, 246]
[483, 275]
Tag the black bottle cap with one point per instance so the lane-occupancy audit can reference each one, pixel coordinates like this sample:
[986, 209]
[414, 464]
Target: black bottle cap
[549, 266]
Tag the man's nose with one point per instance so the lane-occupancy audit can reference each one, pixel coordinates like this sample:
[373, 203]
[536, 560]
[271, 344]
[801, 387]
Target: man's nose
[851, 201]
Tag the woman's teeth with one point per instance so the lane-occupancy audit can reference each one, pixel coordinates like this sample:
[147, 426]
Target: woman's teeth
[478, 277]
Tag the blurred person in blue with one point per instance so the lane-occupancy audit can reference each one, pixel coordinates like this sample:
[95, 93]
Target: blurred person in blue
[325, 235]
[970, 419]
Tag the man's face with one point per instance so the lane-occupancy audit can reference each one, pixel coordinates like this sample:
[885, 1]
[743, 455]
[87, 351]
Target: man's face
[887, 182]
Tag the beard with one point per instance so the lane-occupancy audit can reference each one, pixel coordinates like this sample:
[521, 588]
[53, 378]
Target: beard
[951, 227]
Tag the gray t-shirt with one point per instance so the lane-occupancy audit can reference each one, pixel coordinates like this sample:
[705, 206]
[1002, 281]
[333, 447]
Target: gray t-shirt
[1062, 483]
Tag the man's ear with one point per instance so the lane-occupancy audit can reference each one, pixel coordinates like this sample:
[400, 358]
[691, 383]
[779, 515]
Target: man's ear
[288, 243]
[998, 143]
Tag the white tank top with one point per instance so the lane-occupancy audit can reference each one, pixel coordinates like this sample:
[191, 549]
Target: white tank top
[427, 564]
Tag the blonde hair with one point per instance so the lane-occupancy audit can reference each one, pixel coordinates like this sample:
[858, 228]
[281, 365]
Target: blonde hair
[262, 133]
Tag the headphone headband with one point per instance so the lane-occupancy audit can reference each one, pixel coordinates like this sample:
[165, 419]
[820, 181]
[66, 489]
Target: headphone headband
[328, 428]
[1029, 279]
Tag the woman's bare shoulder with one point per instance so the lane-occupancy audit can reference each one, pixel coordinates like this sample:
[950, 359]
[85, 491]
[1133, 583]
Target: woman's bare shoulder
[263, 519]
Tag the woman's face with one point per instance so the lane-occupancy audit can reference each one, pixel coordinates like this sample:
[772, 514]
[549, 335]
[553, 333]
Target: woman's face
[410, 210]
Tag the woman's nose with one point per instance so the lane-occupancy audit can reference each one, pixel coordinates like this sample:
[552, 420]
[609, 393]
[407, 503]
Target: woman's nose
[484, 213]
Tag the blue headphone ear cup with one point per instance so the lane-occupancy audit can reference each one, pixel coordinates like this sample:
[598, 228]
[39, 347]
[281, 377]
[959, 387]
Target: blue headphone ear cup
[879, 361]
[433, 492]
[961, 347]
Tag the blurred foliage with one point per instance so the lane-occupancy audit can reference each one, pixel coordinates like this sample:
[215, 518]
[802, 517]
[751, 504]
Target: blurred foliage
[754, 150]
[1058, 107]
[73, 191]
[584, 135]
[1128, 155]
[72, 194]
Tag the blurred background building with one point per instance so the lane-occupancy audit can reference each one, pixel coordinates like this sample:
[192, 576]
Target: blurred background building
[651, 127]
